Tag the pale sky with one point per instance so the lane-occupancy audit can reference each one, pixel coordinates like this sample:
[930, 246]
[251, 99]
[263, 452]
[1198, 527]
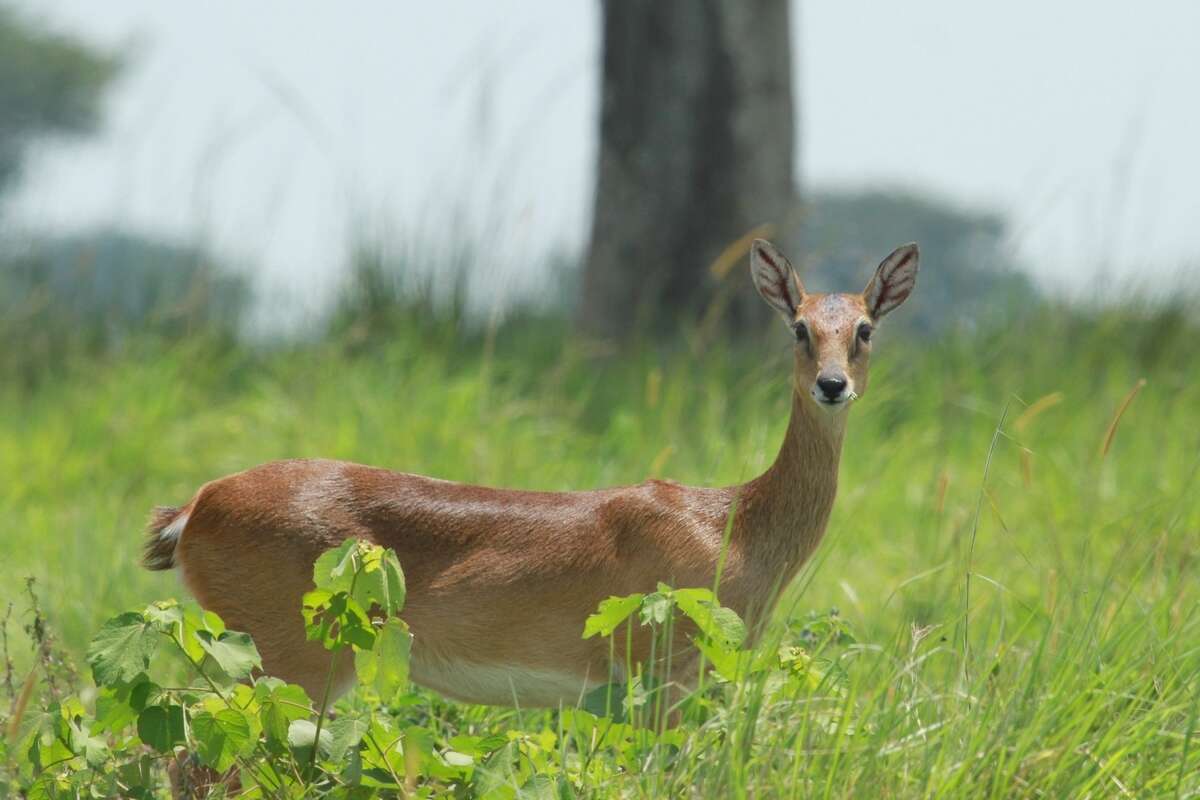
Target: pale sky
[271, 130]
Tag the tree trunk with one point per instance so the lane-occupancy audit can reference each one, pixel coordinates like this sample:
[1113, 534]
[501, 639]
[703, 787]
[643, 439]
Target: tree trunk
[696, 150]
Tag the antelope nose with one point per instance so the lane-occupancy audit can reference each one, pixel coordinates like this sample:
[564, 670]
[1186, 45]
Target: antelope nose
[831, 387]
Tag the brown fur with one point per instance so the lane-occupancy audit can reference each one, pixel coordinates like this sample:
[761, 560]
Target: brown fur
[501, 577]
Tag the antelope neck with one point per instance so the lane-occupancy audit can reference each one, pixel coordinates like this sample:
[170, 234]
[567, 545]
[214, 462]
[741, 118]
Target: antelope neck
[782, 513]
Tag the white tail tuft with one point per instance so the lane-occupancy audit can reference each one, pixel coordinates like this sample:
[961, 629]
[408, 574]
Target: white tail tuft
[166, 526]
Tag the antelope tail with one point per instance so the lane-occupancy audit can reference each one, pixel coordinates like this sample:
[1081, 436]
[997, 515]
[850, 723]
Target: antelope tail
[162, 536]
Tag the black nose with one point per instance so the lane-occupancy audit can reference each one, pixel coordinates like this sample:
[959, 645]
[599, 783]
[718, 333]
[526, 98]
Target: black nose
[831, 387]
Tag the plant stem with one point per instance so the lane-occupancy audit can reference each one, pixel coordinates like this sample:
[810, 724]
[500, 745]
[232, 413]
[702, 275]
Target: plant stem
[329, 678]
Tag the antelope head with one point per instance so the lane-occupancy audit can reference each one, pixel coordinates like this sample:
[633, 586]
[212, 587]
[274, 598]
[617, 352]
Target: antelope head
[833, 331]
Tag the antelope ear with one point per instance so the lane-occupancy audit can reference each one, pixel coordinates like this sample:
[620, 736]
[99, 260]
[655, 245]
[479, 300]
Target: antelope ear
[894, 280]
[775, 279]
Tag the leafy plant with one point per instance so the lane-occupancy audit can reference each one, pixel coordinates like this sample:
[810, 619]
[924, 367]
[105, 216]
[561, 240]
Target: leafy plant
[172, 679]
[179, 693]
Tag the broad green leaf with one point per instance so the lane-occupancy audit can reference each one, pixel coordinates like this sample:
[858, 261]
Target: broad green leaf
[233, 651]
[334, 569]
[692, 597]
[122, 649]
[611, 613]
[538, 787]
[500, 771]
[71, 707]
[282, 705]
[392, 759]
[47, 787]
[729, 664]
[212, 622]
[118, 706]
[243, 697]
[113, 709]
[302, 733]
[265, 685]
[137, 775]
[314, 606]
[728, 627]
[722, 625]
[385, 666]
[42, 735]
[93, 748]
[143, 693]
[193, 621]
[161, 727]
[477, 745]
[221, 737]
[372, 571]
[606, 701]
[47, 746]
[165, 615]
[336, 621]
[381, 582]
[346, 732]
[656, 607]
[418, 749]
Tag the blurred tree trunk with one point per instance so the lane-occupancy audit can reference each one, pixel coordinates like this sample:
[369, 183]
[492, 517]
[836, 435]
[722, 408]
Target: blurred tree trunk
[696, 150]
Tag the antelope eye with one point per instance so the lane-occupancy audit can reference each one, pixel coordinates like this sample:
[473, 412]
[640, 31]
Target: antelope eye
[864, 332]
[801, 332]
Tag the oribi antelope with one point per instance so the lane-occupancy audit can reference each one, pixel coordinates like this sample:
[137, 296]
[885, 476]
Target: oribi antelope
[501, 581]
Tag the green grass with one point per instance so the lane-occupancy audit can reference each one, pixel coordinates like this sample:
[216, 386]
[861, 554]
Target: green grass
[1071, 672]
